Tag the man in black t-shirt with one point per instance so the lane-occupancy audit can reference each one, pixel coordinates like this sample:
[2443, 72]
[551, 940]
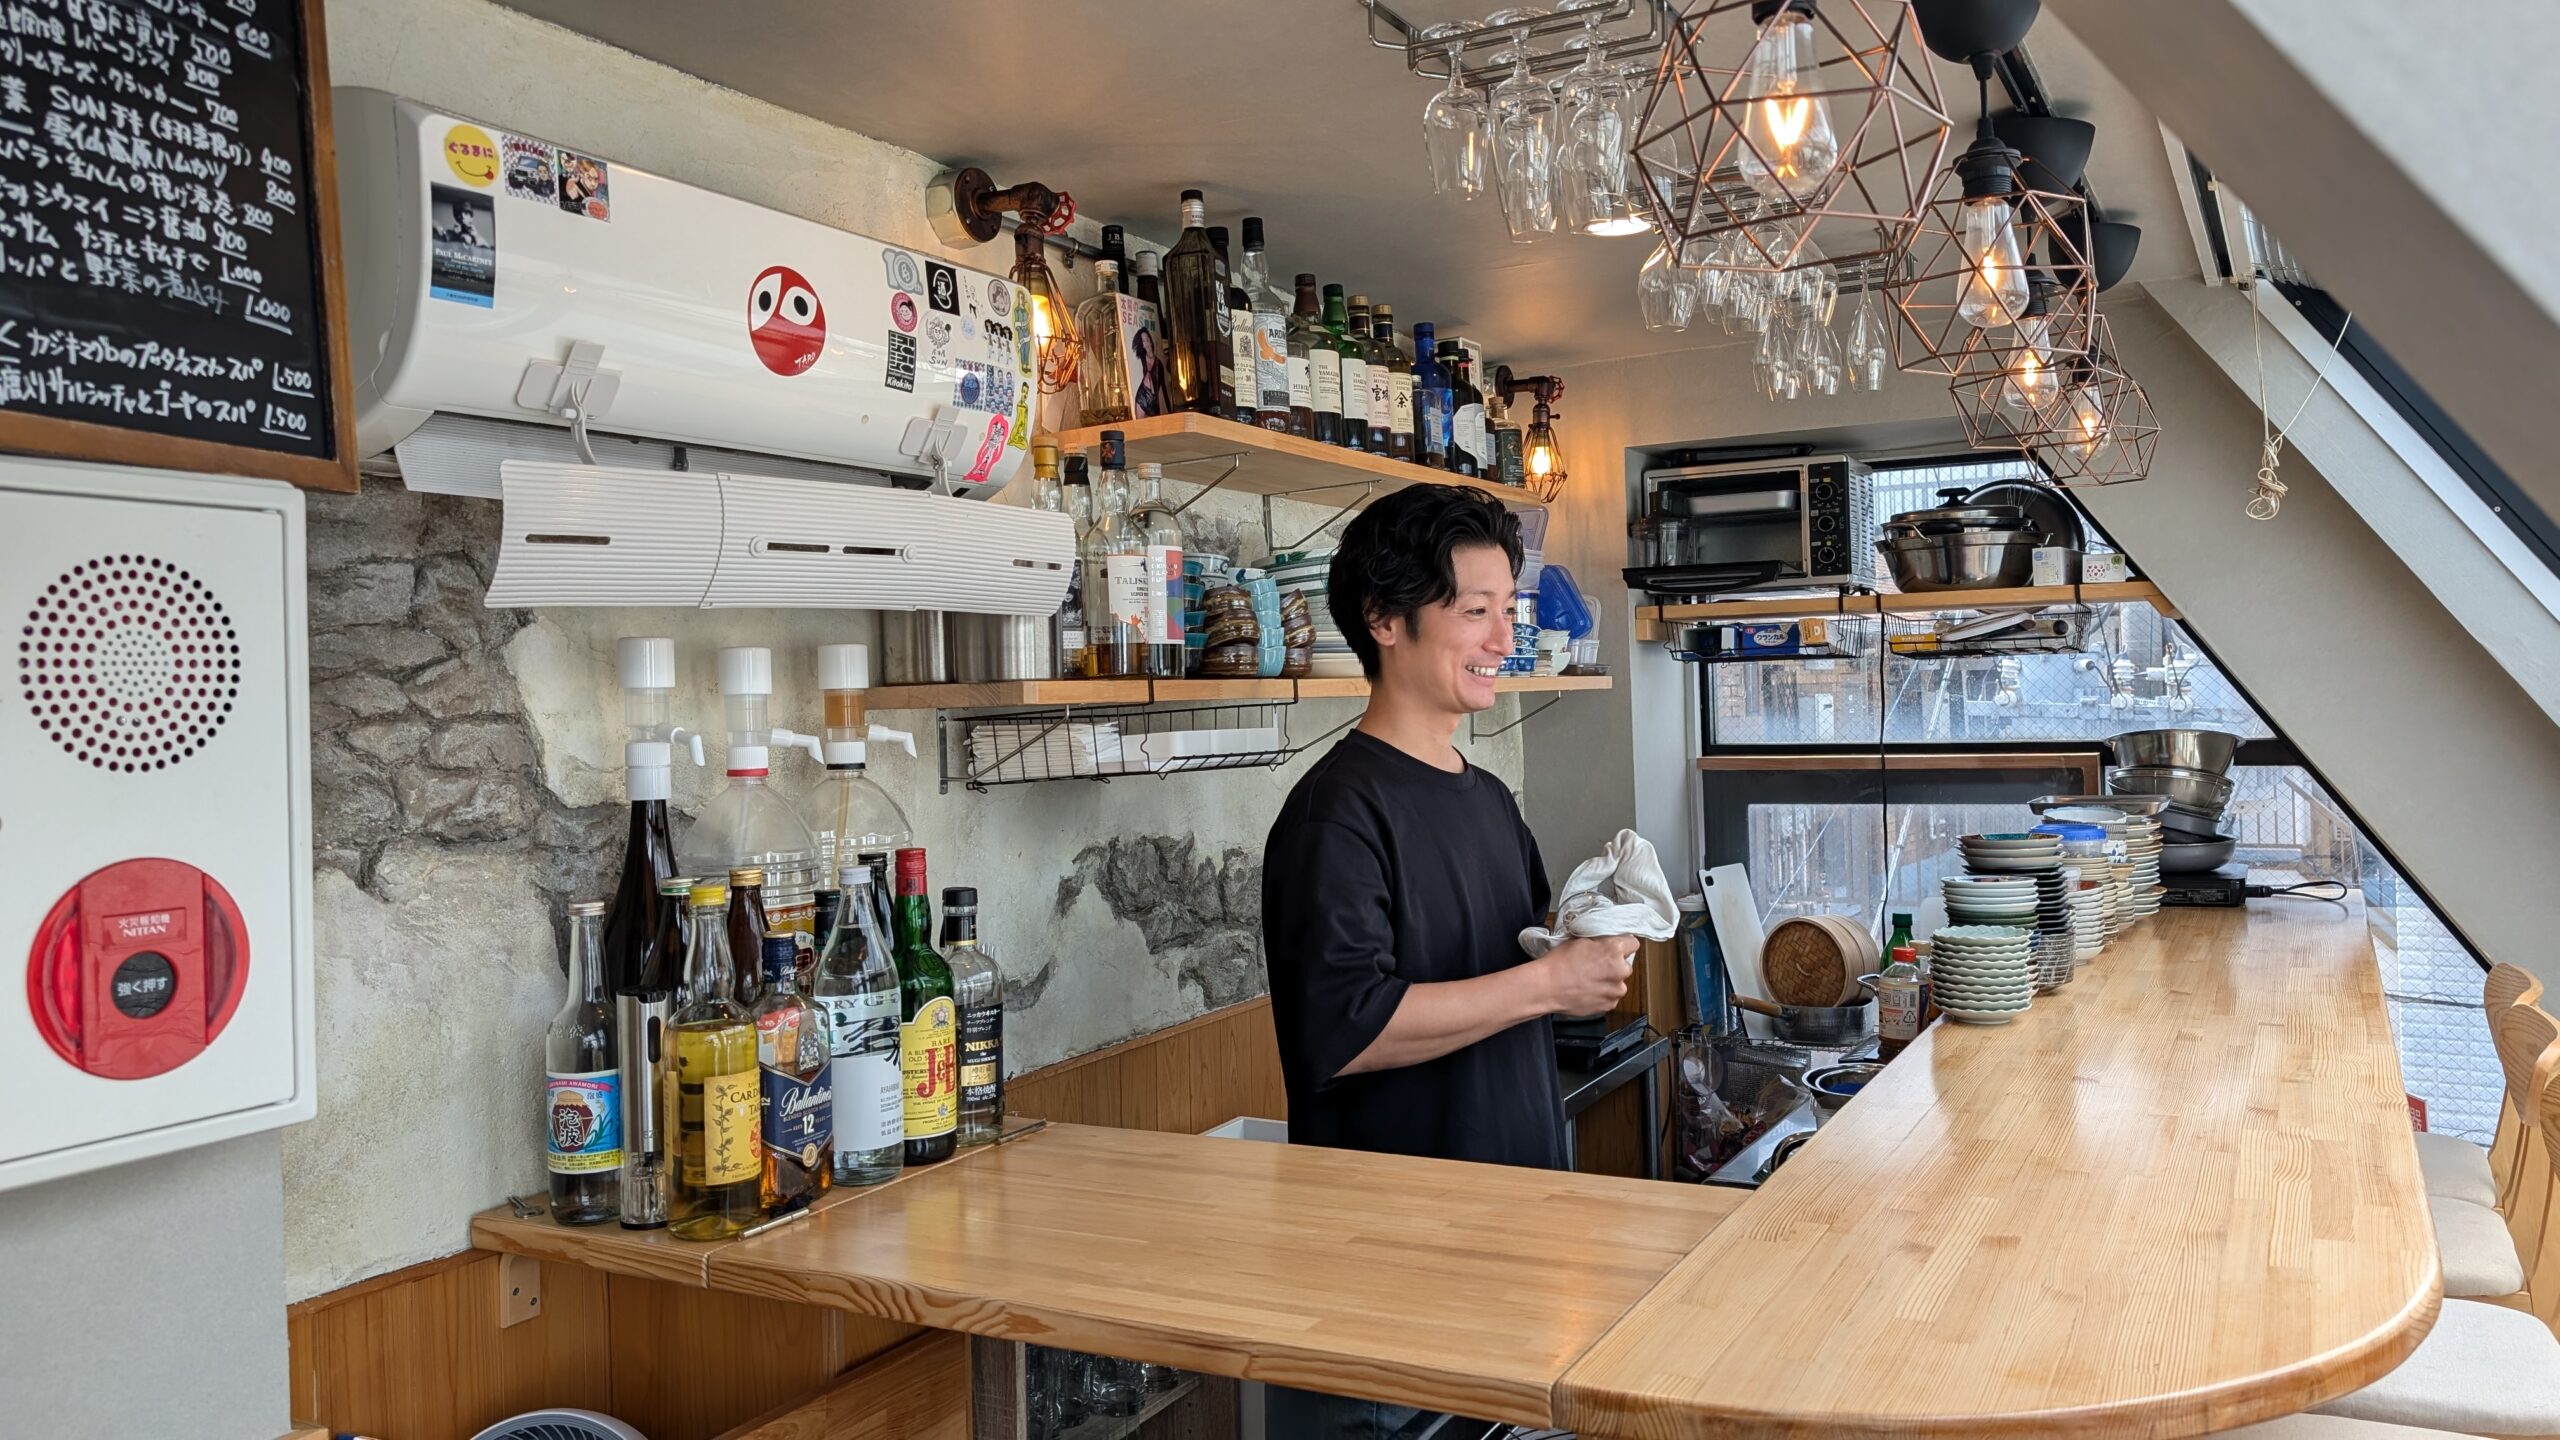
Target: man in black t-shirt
[1398, 877]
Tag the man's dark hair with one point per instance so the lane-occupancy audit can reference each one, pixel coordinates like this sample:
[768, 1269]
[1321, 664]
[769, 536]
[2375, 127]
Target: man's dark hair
[1395, 558]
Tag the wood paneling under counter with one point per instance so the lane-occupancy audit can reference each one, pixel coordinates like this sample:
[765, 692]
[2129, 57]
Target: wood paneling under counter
[1184, 1078]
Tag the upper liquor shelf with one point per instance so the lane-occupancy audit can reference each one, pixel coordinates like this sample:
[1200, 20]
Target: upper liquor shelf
[1005, 693]
[1269, 462]
[1657, 622]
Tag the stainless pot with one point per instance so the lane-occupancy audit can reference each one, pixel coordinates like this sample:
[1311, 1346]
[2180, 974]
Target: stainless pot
[911, 648]
[979, 648]
[2192, 749]
[2181, 856]
[1829, 1027]
[1971, 560]
[2200, 790]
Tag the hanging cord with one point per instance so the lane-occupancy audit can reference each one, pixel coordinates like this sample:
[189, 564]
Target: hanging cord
[2266, 495]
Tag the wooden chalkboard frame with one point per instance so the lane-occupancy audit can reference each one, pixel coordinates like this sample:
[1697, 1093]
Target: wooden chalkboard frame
[84, 440]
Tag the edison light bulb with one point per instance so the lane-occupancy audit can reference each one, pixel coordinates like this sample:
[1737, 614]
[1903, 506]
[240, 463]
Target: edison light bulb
[2031, 381]
[2084, 424]
[1788, 148]
[1541, 458]
[1995, 280]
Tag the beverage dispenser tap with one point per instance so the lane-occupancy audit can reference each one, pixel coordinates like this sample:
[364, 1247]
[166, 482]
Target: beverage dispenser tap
[848, 812]
[746, 823]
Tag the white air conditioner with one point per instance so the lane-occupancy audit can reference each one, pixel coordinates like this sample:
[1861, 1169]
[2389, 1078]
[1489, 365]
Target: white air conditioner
[588, 535]
[499, 285]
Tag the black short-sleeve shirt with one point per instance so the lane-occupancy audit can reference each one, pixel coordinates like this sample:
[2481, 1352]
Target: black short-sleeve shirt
[1384, 872]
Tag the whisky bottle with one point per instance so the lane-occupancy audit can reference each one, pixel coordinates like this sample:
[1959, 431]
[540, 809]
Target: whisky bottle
[1399, 389]
[977, 988]
[1304, 323]
[792, 1057]
[1103, 372]
[1324, 365]
[1146, 280]
[1353, 433]
[1430, 402]
[1115, 249]
[858, 988]
[1162, 532]
[1075, 632]
[1115, 572]
[928, 1025]
[1270, 339]
[719, 1153]
[1195, 316]
[1466, 413]
[747, 929]
[1364, 329]
[1237, 376]
[582, 1083]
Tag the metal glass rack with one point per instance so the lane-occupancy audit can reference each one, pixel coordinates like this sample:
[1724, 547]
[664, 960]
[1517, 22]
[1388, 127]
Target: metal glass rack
[1103, 742]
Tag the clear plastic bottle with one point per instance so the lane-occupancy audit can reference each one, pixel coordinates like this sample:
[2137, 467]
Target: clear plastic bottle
[748, 823]
[848, 814]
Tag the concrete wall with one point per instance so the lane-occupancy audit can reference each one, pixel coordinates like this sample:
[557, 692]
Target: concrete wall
[467, 762]
[147, 1299]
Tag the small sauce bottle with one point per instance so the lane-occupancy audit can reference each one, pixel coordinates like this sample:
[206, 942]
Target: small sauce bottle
[1899, 1005]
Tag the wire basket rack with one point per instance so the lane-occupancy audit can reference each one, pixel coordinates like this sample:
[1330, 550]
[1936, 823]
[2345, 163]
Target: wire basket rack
[1103, 742]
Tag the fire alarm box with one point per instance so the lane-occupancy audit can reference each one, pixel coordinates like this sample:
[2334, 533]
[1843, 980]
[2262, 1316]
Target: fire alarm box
[155, 814]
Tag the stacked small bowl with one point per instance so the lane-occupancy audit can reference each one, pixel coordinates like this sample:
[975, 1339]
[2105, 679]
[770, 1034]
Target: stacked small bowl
[1306, 572]
[1981, 974]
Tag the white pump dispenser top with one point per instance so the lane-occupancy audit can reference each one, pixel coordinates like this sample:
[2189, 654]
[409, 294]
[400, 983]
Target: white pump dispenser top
[848, 667]
[746, 686]
[647, 666]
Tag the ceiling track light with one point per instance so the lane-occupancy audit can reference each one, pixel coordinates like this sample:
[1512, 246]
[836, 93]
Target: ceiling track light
[1811, 128]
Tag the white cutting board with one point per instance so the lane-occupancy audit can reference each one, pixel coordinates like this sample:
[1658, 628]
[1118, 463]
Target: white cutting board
[1736, 916]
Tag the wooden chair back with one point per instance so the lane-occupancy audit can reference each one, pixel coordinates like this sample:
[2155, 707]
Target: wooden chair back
[2528, 1042]
[2504, 986]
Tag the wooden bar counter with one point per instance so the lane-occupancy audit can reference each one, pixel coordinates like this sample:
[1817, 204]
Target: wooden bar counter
[2177, 1197]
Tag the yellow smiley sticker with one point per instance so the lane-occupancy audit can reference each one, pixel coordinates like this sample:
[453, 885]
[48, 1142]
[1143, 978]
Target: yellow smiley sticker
[472, 154]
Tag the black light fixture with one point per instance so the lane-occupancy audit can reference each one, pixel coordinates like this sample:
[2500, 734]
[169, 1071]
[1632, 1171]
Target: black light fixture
[2109, 244]
[1541, 458]
[2053, 150]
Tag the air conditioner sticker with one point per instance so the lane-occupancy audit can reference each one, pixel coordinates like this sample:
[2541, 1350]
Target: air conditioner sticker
[904, 273]
[942, 287]
[462, 231]
[902, 363]
[902, 311]
[784, 319]
[585, 186]
[471, 155]
[937, 342]
[984, 387]
[990, 451]
[532, 168]
[999, 298]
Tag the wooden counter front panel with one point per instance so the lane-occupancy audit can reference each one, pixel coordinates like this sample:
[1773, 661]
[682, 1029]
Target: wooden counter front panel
[2176, 1197]
[1460, 1287]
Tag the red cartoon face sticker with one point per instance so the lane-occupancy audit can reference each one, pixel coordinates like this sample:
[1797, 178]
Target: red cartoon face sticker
[785, 320]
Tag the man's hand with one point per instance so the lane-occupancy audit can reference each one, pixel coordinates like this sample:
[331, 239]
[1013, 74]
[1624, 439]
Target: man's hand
[1588, 974]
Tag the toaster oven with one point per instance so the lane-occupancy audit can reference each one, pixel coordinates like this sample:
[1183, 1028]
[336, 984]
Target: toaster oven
[1761, 525]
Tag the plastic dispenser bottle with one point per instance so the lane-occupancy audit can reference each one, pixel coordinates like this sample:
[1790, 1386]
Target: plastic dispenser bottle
[641, 968]
[849, 814]
[747, 823]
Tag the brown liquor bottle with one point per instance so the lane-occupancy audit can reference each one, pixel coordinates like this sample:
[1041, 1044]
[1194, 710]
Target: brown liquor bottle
[1196, 320]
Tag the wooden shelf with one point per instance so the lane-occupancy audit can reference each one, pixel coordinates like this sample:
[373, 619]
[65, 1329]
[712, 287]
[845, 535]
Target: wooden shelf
[1007, 693]
[1654, 622]
[1274, 463]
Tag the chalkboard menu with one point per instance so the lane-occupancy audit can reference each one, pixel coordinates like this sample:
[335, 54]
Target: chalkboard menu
[167, 237]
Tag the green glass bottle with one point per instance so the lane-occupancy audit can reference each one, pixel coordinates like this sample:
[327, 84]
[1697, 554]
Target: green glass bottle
[1354, 366]
[929, 1027]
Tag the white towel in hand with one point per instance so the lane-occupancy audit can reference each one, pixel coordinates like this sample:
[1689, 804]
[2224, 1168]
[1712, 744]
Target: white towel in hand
[1618, 892]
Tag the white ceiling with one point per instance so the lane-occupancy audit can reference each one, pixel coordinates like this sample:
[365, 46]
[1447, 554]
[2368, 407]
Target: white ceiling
[1281, 109]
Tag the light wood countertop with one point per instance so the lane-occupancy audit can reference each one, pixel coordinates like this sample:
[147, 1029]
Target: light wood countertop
[2177, 1197]
[1428, 1282]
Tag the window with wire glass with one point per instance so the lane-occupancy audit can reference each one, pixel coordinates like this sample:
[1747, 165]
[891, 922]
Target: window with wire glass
[1843, 784]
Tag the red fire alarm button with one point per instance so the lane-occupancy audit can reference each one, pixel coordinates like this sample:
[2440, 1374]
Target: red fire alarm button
[137, 968]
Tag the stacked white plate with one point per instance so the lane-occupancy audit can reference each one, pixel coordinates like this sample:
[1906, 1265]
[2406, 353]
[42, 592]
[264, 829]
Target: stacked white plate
[2016, 854]
[2088, 921]
[1981, 974]
[1990, 899]
[2142, 857]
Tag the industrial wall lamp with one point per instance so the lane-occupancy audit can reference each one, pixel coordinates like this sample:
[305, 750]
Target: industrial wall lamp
[1541, 458]
[966, 208]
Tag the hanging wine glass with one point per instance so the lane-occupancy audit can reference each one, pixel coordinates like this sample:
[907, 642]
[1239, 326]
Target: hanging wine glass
[1524, 137]
[1662, 292]
[1454, 127]
[1868, 350]
[1597, 179]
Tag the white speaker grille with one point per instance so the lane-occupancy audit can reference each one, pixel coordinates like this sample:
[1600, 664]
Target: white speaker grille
[129, 663]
